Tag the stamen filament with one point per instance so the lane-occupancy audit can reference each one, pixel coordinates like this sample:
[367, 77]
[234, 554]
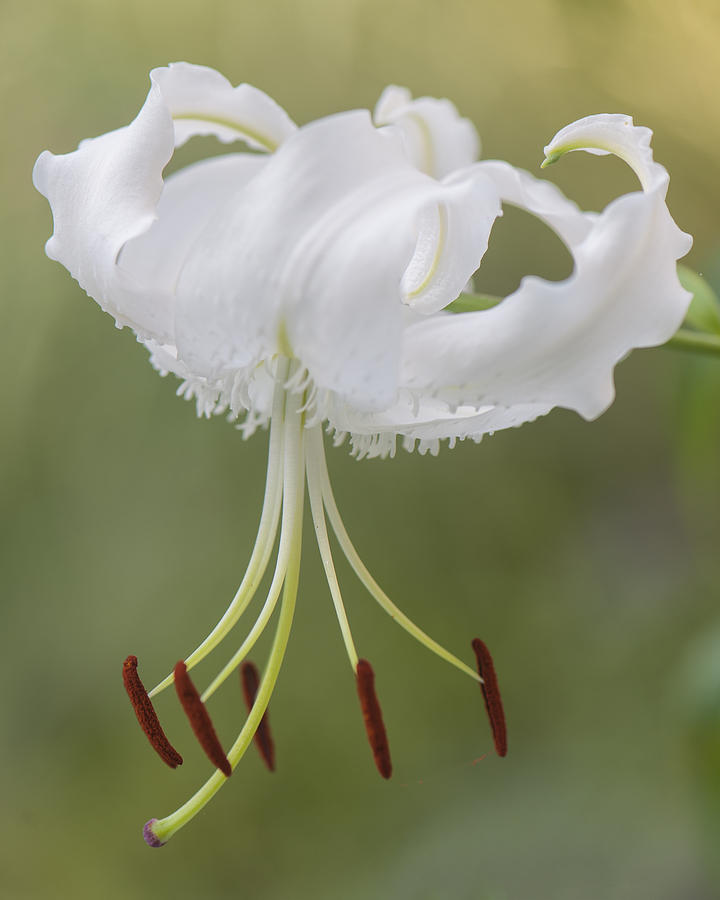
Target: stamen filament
[264, 542]
[260, 623]
[284, 552]
[369, 582]
[314, 483]
[159, 831]
[146, 715]
[250, 679]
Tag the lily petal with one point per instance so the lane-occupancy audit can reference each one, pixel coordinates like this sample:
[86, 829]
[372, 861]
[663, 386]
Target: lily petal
[202, 102]
[555, 344]
[309, 259]
[190, 198]
[106, 192]
[610, 133]
[102, 195]
[437, 139]
[450, 234]
[422, 422]
[540, 198]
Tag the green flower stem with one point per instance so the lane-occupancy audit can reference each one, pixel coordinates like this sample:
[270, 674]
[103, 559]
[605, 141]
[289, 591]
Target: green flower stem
[697, 341]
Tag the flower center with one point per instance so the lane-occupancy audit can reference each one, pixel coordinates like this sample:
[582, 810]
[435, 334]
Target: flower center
[296, 456]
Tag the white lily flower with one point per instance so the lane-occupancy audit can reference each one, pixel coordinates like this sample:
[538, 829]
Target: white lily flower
[305, 283]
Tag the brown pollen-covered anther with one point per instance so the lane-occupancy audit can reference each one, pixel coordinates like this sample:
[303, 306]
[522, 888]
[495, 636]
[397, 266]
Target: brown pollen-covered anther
[250, 678]
[372, 714]
[491, 696]
[199, 719]
[146, 715]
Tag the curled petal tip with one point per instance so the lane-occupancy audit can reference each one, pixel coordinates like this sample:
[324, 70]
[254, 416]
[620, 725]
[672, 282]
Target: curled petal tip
[611, 133]
[551, 158]
[149, 836]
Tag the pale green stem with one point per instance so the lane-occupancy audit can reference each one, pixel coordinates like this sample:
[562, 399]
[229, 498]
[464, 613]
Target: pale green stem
[265, 540]
[369, 582]
[315, 453]
[294, 489]
[700, 342]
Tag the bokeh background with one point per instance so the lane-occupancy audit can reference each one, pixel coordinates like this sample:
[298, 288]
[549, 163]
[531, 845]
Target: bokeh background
[586, 555]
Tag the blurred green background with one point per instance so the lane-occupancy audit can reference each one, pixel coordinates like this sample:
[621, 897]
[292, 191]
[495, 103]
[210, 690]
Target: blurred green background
[584, 554]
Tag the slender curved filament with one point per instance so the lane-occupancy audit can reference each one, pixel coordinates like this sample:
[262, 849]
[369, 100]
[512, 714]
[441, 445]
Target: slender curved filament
[161, 830]
[314, 483]
[264, 541]
[367, 579]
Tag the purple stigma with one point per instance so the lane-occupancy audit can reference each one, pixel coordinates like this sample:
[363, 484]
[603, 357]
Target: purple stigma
[151, 839]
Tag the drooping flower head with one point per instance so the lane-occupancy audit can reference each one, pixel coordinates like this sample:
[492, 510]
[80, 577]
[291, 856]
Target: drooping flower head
[312, 281]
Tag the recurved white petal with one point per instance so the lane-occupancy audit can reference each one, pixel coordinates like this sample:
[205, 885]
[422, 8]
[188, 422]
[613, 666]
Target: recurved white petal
[275, 271]
[202, 101]
[106, 193]
[309, 261]
[453, 238]
[190, 199]
[610, 133]
[540, 198]
[422, 422]
[437, 139]
[102, 195]
[555, 344]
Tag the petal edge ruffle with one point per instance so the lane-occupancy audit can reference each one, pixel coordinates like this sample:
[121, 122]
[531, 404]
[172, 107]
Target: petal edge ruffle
[106, 193]
[437, 138]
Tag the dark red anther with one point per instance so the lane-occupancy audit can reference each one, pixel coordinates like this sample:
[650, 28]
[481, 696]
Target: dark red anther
[491, 696]
[250, 678]
[372, 714]
[146, 715]
[199, 719]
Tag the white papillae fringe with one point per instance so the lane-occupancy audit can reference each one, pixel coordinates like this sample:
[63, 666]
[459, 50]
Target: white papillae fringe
[384, 445]
[244, 398]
